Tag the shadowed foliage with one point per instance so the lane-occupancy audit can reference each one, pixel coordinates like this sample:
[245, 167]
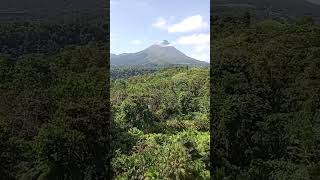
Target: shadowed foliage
[265, 99]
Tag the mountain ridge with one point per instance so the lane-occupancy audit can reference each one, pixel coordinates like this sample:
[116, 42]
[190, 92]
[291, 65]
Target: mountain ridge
[157, 54]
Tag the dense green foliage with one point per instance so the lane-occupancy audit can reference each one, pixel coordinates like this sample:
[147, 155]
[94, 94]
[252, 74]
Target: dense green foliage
[54, 114]
[265, 99]
[123, 72]
[19, 38]
[161, 126]
[54, 106]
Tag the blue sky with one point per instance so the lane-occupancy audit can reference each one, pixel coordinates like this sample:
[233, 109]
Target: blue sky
[137, 24]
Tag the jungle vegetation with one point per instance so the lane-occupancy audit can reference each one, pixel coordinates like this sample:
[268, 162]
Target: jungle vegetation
[161, 125]
[265, 99]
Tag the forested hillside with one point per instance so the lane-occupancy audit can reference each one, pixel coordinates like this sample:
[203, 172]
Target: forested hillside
[54, 115]
[27, 37]
[265, 99]
[161, 125]
[263, 9]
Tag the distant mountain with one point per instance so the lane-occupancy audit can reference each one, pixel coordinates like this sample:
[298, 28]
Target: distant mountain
[157, 54]
[288, 9]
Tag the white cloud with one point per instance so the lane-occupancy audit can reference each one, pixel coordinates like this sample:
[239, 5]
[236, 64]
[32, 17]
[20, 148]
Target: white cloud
[201, 48]
[189, 24]
[195, 39]
[136, 42]
[200, 43]
[201, 56]
[173, 43]
[192, 23]
[160, 23]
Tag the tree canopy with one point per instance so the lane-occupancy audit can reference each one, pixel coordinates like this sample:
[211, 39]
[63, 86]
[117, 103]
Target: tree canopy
[265, 100]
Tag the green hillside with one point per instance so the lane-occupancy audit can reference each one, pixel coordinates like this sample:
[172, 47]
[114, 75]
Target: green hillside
[161, 125]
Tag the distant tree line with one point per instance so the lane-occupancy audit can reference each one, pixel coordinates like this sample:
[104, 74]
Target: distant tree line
[126, 72]
[19, 38]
